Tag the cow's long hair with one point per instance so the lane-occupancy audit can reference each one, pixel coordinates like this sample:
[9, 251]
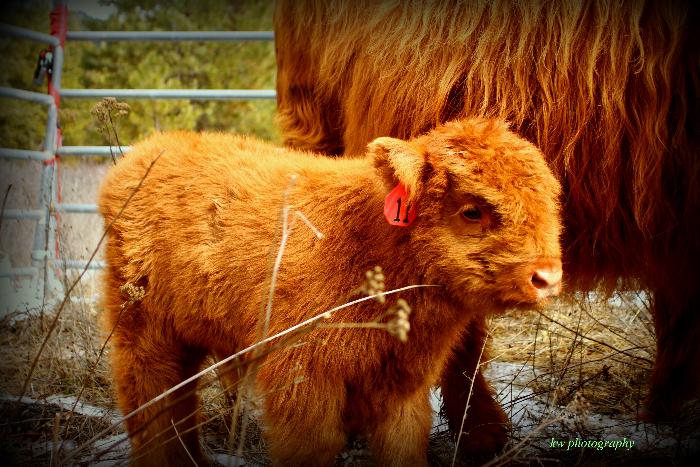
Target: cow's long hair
[610, 91]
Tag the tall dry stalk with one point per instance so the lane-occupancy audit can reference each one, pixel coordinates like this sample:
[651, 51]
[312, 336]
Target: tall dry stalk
[108, 112]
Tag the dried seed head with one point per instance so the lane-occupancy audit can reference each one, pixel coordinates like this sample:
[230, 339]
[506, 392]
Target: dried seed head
[374, 284]
[401, 306]
[399, 325]
[132, 293]
[108, 110]
[579, 405]
[100, 113]
[558, 393]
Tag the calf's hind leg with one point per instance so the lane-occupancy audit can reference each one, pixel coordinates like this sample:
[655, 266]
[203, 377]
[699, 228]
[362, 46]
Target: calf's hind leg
[145, 365]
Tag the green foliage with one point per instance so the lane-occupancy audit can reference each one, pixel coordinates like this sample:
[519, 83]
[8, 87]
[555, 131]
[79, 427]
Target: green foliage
[22, 124]
[165, 65]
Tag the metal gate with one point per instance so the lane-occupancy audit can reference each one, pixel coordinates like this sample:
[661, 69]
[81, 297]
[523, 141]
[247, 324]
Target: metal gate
[37, 286]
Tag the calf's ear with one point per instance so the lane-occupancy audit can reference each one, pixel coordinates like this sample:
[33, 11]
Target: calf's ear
[397, 161]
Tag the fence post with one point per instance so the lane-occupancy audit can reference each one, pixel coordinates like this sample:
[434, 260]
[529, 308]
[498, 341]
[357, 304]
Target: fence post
[45, 246]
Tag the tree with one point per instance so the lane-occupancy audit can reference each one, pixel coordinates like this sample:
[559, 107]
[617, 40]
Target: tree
[167, 65]
[22, 124]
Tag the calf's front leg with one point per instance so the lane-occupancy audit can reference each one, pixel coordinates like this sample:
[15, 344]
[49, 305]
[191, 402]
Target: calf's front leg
[401, 438]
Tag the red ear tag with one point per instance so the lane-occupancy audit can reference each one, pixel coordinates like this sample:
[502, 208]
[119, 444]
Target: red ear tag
[397, 210]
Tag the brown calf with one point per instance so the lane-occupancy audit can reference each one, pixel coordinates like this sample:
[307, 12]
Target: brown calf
[198, 237]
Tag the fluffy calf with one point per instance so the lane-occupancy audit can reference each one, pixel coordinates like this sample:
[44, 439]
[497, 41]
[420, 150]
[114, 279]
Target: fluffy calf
[199, 236]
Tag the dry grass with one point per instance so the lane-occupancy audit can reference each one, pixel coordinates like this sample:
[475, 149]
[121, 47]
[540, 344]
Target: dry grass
[68, 364]
[601, 350]
[580, 361]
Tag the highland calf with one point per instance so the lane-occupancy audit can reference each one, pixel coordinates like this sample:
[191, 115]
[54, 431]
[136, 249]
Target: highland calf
[609, 91]
[198, 235]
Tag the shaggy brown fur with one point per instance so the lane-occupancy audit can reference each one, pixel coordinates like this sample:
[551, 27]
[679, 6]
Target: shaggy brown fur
[198, 235]
[610, 91]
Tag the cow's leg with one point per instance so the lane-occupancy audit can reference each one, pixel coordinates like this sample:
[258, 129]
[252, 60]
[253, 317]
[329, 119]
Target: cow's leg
[401, 438]
[676, 375]
[485, 428]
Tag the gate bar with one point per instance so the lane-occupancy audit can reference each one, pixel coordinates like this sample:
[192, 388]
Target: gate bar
[193, 94]
[23, 214]
[77, 208]
[19, 272]
[112, 36]
[15, 31]
[21, 94]
[79, 263]
[92, 150]
[10, 153]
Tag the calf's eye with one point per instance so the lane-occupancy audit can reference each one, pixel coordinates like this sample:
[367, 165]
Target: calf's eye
[472, 213]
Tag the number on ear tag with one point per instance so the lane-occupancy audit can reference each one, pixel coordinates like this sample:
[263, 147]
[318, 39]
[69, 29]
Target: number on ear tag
[397, 210]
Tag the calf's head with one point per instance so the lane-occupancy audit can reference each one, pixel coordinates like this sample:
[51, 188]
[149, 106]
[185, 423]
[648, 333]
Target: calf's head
[487, 224]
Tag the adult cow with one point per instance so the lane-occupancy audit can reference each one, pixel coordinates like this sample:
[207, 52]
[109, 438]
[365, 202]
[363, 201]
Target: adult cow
[609, 91]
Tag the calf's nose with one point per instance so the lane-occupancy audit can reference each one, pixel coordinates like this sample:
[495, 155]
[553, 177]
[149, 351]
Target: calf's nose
[547, 279]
